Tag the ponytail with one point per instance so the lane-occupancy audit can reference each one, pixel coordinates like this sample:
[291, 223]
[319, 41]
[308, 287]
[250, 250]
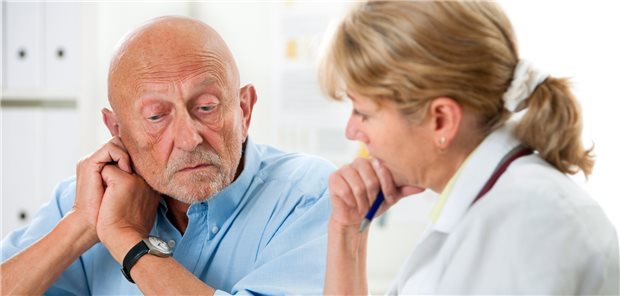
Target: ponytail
[552, 126]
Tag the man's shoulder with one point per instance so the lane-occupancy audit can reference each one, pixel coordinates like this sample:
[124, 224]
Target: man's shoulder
[64, 194]
[277, 164]
[66, 187]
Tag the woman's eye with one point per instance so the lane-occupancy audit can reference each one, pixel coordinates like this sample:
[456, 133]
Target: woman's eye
[363, 117]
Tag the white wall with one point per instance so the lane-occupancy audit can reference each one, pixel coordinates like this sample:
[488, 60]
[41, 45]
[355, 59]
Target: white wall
[579, 39]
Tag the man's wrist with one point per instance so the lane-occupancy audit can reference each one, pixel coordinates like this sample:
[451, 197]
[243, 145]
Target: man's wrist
[82, 233]
[119, 243]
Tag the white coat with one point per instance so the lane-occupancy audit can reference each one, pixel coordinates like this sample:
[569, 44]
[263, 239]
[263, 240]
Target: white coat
[534, 232]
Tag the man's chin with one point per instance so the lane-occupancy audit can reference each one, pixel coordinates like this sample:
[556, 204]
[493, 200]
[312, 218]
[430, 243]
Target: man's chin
[192, 195]
[191, 188]
[195, 190]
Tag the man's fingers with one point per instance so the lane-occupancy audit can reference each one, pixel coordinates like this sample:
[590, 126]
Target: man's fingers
[109, 173]
[110, 152]
[124, 163]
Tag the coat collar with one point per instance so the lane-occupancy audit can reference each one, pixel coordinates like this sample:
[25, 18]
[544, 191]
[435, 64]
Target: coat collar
[474, 173]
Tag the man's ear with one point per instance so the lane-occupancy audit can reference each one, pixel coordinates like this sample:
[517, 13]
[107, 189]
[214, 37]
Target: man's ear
[446, 115]
[247, 99]
[109, 118]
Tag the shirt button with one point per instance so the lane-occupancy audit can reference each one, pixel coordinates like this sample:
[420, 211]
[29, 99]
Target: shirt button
[214, 229]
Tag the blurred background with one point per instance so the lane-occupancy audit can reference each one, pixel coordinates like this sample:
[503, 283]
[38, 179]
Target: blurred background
[54, 66]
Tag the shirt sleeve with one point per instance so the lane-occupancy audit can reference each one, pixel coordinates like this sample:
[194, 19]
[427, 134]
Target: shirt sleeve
[293, 261]
[73, 279]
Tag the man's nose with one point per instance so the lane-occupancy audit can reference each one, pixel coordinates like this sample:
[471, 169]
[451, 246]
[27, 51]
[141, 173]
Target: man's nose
[187, 133]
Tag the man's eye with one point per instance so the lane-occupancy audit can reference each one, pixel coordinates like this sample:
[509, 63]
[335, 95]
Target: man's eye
[155, 117]
[206, 108]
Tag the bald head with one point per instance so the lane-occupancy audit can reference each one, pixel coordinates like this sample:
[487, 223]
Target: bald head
[168, 49]
[178, 107]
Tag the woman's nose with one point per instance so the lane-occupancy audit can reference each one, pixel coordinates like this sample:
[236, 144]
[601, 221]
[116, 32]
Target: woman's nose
[352, 131]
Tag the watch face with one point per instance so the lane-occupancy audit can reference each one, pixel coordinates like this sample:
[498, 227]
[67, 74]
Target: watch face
[158, 246]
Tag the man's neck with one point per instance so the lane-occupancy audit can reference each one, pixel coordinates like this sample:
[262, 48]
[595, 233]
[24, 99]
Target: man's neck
[177, 210]
[177, 213]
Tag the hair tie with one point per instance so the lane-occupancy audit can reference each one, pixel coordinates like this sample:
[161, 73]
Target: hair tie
[524, 80]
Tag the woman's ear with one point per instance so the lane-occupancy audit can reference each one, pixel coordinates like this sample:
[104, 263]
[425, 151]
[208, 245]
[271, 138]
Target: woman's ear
[446, 115]
[109, 118]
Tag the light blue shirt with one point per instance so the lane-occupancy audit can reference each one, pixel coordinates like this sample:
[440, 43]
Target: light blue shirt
[266, 233]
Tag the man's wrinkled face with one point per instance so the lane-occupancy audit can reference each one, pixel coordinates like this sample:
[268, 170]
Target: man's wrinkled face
[182, 125]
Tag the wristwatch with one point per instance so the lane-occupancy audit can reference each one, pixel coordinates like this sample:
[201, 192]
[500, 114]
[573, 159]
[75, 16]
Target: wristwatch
[150, 245]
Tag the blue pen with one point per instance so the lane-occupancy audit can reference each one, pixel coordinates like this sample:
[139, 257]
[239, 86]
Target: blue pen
[373, 210]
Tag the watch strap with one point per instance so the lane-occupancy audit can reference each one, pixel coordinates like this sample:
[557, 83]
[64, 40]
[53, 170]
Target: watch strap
[135, 253]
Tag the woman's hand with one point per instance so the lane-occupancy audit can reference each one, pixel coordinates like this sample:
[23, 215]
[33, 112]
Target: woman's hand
[354, 187]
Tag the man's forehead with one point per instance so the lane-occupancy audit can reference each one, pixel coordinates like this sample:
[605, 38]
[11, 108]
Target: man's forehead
[170, 51]
[165, 86]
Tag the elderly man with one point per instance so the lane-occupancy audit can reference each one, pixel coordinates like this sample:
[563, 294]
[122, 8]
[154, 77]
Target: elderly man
[246, 218]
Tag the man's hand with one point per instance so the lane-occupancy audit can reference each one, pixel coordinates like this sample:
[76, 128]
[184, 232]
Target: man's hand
[33, 270]
[89, 182]
[127, 210]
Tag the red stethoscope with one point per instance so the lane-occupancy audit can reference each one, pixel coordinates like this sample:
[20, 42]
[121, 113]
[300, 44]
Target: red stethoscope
[501, 168]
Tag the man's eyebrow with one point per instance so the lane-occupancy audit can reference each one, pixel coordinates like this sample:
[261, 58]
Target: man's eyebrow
[207, 81]
[198, 87]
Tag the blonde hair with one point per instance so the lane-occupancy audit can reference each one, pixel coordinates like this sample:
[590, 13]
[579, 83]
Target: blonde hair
[411, 52]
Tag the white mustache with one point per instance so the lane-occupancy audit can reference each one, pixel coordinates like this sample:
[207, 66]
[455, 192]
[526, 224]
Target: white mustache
[199, 156]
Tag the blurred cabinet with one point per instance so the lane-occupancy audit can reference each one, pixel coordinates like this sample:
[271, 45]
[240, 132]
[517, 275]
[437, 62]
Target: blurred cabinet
[39, 114]
[61, 46]
[41, 48]
[22, 45]
[39, 148]
[55, 57]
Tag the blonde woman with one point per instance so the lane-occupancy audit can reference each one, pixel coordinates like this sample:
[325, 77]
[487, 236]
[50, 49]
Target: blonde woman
[435, 87]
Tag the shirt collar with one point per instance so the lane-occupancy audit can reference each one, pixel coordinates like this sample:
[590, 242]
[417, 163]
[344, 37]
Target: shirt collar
[221, 206]
[443, 197]
[474, 173]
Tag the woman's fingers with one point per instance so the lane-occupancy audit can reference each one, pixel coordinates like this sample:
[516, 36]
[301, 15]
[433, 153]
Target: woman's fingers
[369, 177]
[339, 189]
[356, 184]
[386, 180]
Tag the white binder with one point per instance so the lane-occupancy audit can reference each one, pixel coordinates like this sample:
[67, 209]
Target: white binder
[61, 50]
[22, 49]
[20, 166]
